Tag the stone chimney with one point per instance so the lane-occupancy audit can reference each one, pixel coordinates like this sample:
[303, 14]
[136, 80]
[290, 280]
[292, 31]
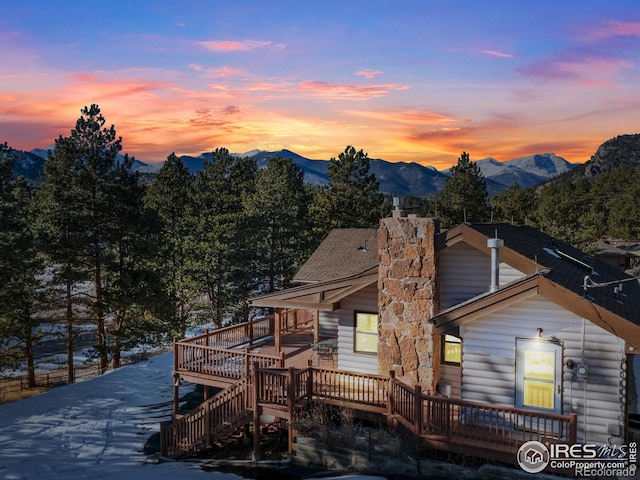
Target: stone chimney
[407, 299]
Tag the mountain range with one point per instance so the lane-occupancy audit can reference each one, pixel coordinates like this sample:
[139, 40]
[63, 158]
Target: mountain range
[395, 178]
[402, 178]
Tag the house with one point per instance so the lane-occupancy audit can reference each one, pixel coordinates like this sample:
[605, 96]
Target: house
[489, 313]
[619, 254]
[476, 338]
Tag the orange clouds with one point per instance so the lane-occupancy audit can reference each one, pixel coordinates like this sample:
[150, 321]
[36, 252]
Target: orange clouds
[352, 91]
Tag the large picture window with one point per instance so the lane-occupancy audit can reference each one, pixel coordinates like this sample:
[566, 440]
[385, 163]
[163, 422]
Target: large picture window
[366, 334]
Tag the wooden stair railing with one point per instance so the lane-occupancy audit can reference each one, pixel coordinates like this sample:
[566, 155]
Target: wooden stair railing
[216, 417]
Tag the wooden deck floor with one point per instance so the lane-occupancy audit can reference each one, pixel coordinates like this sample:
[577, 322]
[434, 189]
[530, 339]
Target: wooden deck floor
[297, 349]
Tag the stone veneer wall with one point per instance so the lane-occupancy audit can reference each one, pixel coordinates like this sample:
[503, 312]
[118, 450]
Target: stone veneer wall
[406, 300]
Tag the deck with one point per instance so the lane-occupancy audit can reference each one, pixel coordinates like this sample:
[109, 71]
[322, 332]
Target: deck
[270, 366]
[221, 357]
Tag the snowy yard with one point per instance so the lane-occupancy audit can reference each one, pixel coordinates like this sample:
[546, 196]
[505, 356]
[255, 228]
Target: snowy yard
[96, 429]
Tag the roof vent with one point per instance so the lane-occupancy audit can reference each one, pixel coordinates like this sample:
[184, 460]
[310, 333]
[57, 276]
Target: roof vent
[495, 244]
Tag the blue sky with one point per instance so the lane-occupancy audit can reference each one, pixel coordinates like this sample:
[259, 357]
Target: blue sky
[404, 81]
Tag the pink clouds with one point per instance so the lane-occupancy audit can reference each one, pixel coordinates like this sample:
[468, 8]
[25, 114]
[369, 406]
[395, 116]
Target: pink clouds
[614, 28]
[239, 46]
[495, 53]
[369, 74]
[218, 72]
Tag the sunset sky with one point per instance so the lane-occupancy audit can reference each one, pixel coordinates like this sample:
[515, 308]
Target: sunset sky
[416, 81]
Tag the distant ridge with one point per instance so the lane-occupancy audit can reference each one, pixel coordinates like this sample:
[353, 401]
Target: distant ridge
[395, 178]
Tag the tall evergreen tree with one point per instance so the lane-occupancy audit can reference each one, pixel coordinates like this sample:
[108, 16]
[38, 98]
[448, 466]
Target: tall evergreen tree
[171, 197]
[279, 209]
[464, 197]
[134, 293]
[219, 192]
[78, 189]
[61, 235]
[351, 198]
[20, 265]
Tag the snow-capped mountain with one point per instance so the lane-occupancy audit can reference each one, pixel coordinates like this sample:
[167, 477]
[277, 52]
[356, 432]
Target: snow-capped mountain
[526, 171]
[395, 178]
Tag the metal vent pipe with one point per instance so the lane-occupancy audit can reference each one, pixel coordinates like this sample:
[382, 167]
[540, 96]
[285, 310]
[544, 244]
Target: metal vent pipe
[495, 244]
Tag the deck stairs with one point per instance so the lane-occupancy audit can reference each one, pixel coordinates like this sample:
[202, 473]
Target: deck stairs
[216, 417]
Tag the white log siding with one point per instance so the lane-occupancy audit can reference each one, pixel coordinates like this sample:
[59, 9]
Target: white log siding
[488, 364]
[465, 272]
[366, 300]
[453, 375]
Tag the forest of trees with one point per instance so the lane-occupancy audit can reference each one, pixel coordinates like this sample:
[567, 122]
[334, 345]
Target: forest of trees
[92, 245]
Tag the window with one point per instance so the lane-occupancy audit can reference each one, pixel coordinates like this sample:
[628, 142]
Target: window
[451, 350]
[538, 374]
[366, 334]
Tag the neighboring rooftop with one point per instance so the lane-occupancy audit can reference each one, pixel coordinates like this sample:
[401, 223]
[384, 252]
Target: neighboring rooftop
[345, 252]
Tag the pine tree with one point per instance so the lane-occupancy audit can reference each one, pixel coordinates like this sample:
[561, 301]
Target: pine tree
[134, 293]
[351, 198]
[20, 265]
[219, 192]
[171, 197]
[61, 235]
[279, 211]
[78, 195]
[464, 197]
[515, 205]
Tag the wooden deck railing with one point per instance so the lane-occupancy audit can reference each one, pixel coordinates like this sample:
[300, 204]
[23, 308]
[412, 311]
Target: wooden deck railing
[220, 362]
[353, 388]
[245, 333]
[454, 422]
[218, 416]
[460, 419]
[217, 353]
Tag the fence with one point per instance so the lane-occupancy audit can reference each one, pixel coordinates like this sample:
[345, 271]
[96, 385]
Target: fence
[15, 388]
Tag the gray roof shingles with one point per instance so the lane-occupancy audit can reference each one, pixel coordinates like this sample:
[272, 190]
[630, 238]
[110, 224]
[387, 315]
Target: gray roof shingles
[343, 253]
[569, 267]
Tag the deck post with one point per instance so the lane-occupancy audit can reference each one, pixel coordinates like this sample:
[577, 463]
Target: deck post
[250, 332]
[390, 400]
[291, 401]
[278, 332]
[573, 429]
[310, 383]
[316, 327]
[256, 412]
[206, 338]
[247, 363]
[417, 410]
[176, 377]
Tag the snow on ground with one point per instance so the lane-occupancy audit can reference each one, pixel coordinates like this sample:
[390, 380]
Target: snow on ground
[96, 429]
